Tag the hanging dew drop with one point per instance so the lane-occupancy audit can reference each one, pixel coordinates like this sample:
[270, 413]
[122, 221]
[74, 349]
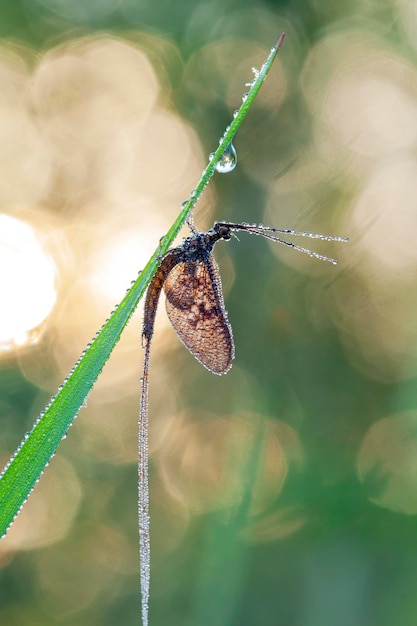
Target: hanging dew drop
[228, 160]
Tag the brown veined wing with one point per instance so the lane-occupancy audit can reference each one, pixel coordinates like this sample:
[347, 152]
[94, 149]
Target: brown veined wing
[195, 307]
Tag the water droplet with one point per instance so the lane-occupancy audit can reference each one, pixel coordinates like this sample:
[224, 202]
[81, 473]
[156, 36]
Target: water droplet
[228, 160]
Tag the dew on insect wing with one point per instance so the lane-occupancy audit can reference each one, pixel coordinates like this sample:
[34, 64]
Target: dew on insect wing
[228, 160]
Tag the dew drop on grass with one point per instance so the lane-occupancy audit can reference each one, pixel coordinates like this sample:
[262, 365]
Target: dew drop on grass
[228, 160]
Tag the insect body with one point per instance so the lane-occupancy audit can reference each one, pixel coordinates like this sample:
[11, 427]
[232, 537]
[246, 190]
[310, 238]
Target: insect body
[194, 300]
[194, 303]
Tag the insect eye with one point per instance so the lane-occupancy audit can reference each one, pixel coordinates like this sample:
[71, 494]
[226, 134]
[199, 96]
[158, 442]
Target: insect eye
[223, 231]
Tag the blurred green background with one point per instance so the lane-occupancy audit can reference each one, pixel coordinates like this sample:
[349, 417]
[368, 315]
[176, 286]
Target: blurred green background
[286, 491]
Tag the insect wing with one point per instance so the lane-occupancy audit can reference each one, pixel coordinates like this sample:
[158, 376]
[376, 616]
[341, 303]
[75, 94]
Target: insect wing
[195, 307]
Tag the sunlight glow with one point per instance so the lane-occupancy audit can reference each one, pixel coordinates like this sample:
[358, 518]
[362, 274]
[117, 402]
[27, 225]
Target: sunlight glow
[27, 283]
[123, 256]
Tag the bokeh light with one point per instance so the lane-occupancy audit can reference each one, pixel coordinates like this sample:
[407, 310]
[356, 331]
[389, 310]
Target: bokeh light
[204, 466]
[387, 463]
[27, 283]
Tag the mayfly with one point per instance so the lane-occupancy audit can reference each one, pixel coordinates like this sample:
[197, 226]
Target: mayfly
[194, 303]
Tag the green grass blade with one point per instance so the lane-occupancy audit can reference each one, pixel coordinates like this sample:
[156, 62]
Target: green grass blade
[34, 453]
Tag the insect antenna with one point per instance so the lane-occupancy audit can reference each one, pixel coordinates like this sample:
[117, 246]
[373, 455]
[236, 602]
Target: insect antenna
[266, 232]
